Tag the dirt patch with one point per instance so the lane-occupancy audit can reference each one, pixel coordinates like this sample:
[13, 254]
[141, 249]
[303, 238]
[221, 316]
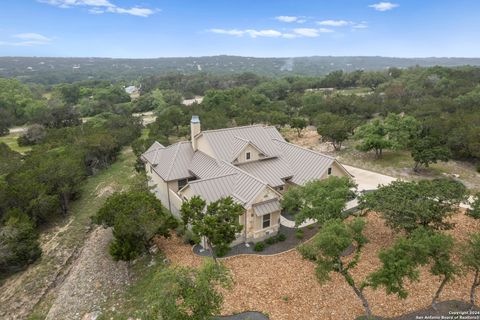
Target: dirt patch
[309, 139]
[93, 278]
[105, 191]
[284, 286]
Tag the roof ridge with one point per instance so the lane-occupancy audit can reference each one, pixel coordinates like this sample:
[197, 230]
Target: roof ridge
[212, 178]
[177, 145]
[306, 149]
[233, 128]
[244, 172]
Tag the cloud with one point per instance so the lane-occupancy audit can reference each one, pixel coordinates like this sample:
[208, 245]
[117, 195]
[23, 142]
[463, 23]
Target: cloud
[311, 32]
[362, 25]
[383, 6]
[101, 6]
[253, 33]
[334, 23]
[287, 18]
[27, 39]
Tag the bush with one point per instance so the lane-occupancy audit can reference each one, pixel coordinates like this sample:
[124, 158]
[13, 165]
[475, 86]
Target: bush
[478, 167]
[271, 240]
[281, 237]
[299, 234]
[222, 250]
[259, 246]
[190, 238]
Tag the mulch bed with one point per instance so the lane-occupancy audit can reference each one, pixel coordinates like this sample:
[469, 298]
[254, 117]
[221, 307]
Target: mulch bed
[290, 242]
[285, 287]
[249, 315]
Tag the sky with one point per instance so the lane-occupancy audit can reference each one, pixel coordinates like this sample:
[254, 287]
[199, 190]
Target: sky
[259, 28]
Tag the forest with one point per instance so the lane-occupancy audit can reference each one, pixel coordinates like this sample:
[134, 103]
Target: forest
[76, 129]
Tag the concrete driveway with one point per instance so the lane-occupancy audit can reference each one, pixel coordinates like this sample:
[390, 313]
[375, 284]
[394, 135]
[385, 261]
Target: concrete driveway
[368, 180]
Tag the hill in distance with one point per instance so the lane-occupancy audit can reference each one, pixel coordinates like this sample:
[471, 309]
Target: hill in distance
[55, 70]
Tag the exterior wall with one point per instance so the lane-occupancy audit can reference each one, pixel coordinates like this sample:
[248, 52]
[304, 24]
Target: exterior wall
[254, 155]
[261, 233]
[337, 171]
[175, 204]
[161, 187]
[204, 146]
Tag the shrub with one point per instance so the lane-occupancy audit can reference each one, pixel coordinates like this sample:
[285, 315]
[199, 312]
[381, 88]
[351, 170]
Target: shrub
[271, 240]
[221, 251]
[259, 246]
[281, 237]
[478, 167]
[190, 238]
[299, 234]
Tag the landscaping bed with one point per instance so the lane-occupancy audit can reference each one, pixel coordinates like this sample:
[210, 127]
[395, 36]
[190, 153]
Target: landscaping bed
[292, 239]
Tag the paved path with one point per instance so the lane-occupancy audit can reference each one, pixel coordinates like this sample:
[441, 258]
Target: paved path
[368, 180]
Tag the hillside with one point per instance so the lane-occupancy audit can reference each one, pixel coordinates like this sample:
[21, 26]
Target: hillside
[55, 70]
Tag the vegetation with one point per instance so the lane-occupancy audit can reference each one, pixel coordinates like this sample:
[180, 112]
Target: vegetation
[410, 205]
[326, 250]
[218, 223]
[474, 211]
[471, 260]
[321, 200]
[136, 217]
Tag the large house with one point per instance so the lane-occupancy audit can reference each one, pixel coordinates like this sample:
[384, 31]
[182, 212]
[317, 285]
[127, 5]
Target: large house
[253, 164]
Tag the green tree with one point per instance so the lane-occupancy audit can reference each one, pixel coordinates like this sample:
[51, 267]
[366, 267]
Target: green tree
[373, 136]
[298, 124]
[409, 205]
[333, 128]
[136, 217]
[428, 150]
[18, 242]
[320, 200]
[474, 210]
[470, 254]
[189, 294]
[218, 223]
[35, 134]
[327, 247]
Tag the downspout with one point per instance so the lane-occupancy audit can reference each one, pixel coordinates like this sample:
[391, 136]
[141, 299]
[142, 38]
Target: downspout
[245, 226]
[168, 198]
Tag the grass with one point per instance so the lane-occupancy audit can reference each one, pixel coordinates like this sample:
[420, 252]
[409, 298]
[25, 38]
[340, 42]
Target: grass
[140, 293]
[11, 141]
[68, 234]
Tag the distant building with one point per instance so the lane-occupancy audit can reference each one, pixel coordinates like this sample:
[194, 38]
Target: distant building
[253, 164]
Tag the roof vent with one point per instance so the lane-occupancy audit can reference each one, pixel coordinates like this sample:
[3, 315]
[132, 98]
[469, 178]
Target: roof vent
[195, 119]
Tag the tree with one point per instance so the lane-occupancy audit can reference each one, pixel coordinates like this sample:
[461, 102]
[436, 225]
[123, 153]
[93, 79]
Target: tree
[327, 247]
[298, 124]
[428, 150]
[470, 254]
[474, 210]
[136, 217]
[18, 242]
[219, 223]
[35, 134]
[333, 128]
[373, 136]
[320, 200]
[409, 205]
[189, 294]
[407, 254]
[401, 129]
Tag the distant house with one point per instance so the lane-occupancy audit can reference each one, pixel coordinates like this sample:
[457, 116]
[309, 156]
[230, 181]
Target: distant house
[252, 164]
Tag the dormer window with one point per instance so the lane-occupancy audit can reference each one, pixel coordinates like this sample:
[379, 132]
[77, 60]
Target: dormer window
[247, 156]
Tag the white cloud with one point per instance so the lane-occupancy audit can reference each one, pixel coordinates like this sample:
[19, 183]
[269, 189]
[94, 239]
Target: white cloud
[27, 39]
[362, 25]
[383, 6]
[287, 18]
[334, 23]
[249, 32]
[311, 32]
[101, 6]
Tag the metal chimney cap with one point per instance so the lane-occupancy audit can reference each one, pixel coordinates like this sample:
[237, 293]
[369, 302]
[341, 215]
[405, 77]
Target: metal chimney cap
[195, 119]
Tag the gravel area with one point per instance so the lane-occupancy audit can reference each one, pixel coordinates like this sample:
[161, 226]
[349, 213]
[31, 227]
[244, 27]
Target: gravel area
[93, 278]
[285, 287]
[290, 242]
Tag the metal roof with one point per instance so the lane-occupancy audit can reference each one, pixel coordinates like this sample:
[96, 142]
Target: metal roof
[273, 170]
[204, 166]
[172, 162]
[156, 145]
[306, 164]
[227, 143]
[267, 207]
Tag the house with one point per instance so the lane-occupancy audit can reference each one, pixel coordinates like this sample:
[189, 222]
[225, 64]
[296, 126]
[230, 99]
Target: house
[252, 164]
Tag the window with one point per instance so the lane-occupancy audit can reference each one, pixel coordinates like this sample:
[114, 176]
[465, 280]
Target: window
[266, 221]
[182, 183]
[247, 156]
[329, 171]
[280, 188]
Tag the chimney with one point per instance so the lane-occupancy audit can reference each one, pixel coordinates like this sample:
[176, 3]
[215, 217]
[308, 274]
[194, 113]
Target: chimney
[194, 130]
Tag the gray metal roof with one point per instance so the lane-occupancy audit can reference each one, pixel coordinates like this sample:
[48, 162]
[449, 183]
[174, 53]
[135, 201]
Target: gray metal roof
[273, 170]
[306, 164]
[227, 143]
[172, 162]
[156, 145]
[267, 207]
[204, 166]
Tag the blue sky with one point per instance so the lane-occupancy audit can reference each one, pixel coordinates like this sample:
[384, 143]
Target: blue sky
[263, 28]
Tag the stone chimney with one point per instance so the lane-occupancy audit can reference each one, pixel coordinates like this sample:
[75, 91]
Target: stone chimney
[194, 130]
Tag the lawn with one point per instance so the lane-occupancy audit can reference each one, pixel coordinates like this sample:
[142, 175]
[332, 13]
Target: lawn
[62, 241]
[11, 141]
